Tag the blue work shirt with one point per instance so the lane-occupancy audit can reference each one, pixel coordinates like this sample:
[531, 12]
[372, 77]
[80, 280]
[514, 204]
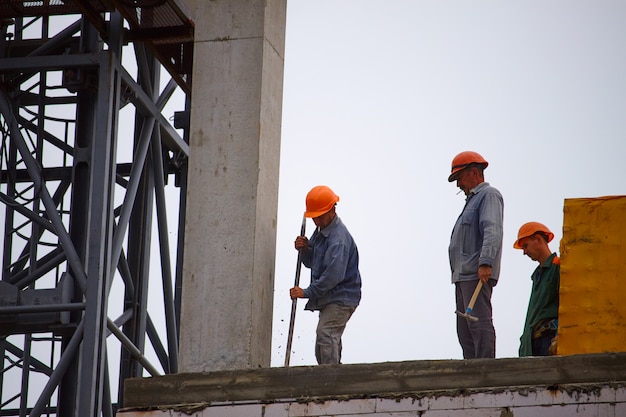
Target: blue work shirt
[477, 235]
[334, 261]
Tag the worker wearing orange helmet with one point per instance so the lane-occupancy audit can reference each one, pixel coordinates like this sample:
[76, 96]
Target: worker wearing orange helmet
[540, 328]
[475, 252]
[333, 257]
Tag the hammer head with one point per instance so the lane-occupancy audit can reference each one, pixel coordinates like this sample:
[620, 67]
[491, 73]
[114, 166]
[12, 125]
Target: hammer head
[468, 316]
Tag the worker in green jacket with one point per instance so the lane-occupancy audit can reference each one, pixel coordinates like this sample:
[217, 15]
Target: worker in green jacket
[540, 329]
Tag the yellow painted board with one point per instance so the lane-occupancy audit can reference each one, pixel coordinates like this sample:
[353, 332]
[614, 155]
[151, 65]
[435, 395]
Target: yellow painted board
[592, 296]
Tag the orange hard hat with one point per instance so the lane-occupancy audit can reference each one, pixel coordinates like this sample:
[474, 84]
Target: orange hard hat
[463, 160]
[321, 199]
[529, 229]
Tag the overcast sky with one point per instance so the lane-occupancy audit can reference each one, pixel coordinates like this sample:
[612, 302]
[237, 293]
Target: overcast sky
[378, 99]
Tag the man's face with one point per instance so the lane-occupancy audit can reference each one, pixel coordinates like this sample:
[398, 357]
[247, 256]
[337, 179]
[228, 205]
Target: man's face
[325, 219]
[531, 246]
[466, 179]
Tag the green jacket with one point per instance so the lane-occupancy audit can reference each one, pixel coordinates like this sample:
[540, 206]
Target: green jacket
[544, 300]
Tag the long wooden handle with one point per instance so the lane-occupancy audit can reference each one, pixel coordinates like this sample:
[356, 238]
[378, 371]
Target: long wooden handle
[294, 302]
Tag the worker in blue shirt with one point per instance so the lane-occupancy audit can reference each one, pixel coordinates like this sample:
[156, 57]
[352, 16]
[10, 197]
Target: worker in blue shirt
[475, 252]
[335, 289]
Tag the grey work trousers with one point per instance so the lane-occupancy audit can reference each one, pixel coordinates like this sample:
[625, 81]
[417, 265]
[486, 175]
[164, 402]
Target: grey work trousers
[332, 322]
[477, 339]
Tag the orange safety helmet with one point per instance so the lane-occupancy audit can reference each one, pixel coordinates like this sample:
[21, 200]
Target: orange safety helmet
[529, 229]
[320, 200]
[463, 160]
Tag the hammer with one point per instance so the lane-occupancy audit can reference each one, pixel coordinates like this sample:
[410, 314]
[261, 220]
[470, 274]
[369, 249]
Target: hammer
[470, 306]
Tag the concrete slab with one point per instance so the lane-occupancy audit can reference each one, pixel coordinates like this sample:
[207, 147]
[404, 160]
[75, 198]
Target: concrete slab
[443, 383]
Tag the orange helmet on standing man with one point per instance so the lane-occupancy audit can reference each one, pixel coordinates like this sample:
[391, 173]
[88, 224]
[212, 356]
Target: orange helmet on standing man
[463, 160]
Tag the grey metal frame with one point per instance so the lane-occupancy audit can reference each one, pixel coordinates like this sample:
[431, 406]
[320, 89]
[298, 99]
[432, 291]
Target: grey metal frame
[78, 220]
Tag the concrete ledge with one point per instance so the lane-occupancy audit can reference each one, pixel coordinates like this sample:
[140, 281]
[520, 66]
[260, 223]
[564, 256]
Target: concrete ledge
[380, 380]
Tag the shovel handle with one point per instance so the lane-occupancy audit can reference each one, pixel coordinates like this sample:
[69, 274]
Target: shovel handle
[299, 265]
[294, 302]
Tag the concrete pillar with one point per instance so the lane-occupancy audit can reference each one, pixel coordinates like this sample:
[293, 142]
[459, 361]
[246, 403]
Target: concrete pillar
[230, 242]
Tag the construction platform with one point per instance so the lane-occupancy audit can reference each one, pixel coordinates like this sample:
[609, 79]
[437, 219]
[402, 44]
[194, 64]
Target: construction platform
[588, 385]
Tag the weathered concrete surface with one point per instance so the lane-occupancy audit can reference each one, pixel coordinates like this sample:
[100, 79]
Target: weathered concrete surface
[396, 380]
[563, 401]
[232, 202]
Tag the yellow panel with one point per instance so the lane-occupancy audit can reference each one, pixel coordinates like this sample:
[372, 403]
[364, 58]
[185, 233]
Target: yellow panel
[592, 298]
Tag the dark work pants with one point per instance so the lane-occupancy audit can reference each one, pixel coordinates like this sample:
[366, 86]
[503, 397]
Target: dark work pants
[477, 339]
[541, 345]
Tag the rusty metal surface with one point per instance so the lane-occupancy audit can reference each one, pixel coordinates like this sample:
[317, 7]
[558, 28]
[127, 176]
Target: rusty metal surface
[147, 14]
[165, 26]
[23, 8]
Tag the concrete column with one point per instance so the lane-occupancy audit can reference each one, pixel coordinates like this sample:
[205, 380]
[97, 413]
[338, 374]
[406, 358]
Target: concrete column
[230, 243]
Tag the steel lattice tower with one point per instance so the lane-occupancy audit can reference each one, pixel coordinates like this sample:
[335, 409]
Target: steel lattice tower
[90, 166]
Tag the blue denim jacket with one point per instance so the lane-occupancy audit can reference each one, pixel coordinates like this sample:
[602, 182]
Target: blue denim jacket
[334, 261]
[477, 235]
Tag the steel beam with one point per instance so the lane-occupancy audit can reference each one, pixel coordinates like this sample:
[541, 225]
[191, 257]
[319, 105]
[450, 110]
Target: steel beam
[75, 204]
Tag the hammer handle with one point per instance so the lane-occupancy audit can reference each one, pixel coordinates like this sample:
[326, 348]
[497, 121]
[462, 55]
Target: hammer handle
[470, 306]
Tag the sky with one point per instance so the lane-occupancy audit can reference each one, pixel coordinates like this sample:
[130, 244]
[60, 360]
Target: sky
[378, 99]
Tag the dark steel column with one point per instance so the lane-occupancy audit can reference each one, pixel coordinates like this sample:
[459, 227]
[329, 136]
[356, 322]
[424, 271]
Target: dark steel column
[78, 214]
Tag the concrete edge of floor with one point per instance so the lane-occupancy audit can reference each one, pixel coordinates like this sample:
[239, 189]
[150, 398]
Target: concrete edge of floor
[387, 379]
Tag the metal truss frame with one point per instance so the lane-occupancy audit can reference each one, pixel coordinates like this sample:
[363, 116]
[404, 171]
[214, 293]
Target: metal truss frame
[82, 192]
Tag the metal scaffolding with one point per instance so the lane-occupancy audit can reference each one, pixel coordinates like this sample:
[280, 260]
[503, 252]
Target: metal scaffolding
[91, 166]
